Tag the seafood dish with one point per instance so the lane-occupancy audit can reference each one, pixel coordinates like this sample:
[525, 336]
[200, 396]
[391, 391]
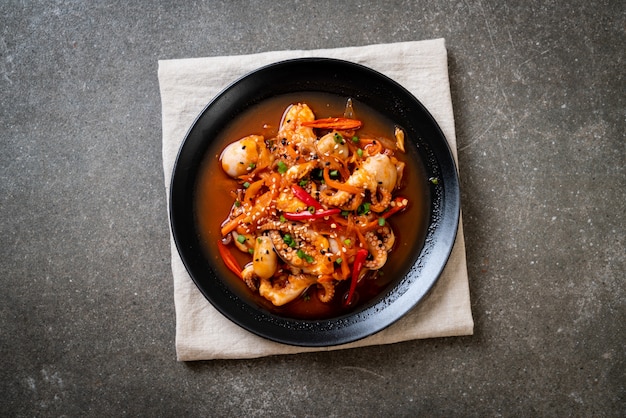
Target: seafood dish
[311, 206]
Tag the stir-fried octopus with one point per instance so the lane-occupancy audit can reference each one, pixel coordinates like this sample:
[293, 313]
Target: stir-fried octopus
[311, 205]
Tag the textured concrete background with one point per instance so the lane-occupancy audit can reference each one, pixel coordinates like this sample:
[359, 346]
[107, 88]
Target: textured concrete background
[86, 309]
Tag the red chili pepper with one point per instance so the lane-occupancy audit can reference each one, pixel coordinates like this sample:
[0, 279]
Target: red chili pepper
[334, 123]
[303, 195]
[359, 260]
[229, 259]
[305, 215]
[401, 203]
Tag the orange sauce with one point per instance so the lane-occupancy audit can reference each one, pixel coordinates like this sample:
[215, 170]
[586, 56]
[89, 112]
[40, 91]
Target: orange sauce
[214, 201]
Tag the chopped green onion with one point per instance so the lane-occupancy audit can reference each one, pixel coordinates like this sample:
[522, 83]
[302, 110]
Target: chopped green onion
[381, 221]
[363, 208]
[241, 239]
[288, 239]
[282, 167]
[338, 138]
[303, 182]
[334, 173]
[282, 218]
[355, 139]
[252, 166]
[305, 256]
[345, 213]
[347, 241]
[339, 260]
[246, 184]
[237, 203]
[359, 152]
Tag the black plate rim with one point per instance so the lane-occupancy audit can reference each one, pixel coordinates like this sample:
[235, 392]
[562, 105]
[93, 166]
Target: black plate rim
[371, 319]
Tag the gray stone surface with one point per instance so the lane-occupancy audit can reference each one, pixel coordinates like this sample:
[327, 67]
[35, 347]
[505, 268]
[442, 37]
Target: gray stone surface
[86, 309]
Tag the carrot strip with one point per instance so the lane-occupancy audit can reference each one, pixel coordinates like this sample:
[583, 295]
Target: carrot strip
[292, 152]
[232, 224]
[338, 185]
[345, 269]
[252, 190]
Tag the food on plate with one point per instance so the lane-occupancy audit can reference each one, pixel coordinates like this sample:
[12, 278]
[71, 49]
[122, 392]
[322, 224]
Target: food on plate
[312, 206]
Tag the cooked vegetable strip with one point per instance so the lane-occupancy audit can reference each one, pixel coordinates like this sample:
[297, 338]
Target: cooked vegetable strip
[338, 185]
[229, 259]
[303, 195]
[359, 261]
[232, 224]
[334, 123]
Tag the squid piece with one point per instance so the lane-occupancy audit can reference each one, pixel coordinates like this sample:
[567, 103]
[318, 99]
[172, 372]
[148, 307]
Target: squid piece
[293, 128]
[286, 288]
[244, 155]
[382, 170]
[333, 144]
[264, 260]
[264, 263]
[378, 175]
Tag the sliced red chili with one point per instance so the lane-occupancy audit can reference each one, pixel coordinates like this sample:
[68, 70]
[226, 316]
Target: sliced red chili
[359, 261]
[334, 123]
[229, 259]
[305, 197]
[305, 215]
[401, 203]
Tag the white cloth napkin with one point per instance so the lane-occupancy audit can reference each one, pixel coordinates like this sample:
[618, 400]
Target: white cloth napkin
[187, 85]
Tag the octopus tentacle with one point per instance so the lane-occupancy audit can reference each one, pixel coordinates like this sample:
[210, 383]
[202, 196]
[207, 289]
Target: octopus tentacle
[327, 292]
[379, 205]
[341, 199]
[309, 251]
[378, 246]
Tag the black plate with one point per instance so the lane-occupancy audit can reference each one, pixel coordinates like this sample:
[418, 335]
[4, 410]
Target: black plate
[382, 94]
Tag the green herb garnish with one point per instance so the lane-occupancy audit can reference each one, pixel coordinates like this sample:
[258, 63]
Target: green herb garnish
[363, 209]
